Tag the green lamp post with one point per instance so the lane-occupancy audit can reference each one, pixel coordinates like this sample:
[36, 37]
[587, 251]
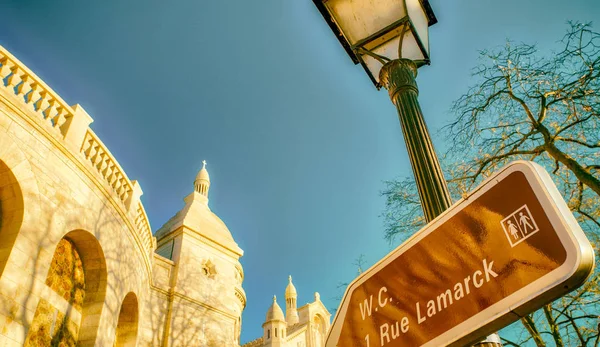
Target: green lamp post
[390, 40]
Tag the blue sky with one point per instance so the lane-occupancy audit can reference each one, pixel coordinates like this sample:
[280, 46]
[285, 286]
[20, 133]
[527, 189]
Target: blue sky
[298, 141]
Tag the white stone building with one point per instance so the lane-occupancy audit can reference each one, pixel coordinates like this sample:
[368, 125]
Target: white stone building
[306, 326]
[79, 264]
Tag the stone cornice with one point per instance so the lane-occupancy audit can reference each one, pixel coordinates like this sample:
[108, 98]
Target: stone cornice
[200, 237]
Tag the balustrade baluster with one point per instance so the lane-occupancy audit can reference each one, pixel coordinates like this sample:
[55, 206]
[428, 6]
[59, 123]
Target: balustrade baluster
[87, 152]
[34, 94]
[5, 68]
[96, 156]
[42, 103]
[14, 78]
[49, 112]
[60, 118]
[112, 174]
[25, 86]
[121, 186]
[107, 169]
[101, 162]
[126, 191]
[117, 182]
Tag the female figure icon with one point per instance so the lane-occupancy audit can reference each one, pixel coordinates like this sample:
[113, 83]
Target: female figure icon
[513, 230]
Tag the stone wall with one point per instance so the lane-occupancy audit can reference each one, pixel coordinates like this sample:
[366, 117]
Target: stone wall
[57, 180]
[60, 185]
[200, 283]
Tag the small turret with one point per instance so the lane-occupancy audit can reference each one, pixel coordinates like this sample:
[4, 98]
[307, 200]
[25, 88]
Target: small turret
[274, 328]
[291, 298]
[202, 181]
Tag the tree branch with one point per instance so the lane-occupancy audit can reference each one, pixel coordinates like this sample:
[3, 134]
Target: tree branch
[553, 327]
[589, 145]
[529, 324]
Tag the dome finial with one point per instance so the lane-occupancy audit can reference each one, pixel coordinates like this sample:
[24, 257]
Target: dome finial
[290, 278]
[204, 164]
[274, 298]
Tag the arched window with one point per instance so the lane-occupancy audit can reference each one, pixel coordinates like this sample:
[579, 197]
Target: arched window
[127, 325]
[275, 332]
[318, 326]
[77, 279]
[268, 333]
[11, 212]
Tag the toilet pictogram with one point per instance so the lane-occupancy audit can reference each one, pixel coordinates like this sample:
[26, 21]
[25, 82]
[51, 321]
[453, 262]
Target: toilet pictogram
[519, 225]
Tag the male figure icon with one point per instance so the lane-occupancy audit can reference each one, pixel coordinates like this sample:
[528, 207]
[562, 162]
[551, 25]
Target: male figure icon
[524, 221]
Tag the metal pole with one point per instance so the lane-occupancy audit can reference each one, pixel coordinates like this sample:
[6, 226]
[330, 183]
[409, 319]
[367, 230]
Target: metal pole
[398, 77]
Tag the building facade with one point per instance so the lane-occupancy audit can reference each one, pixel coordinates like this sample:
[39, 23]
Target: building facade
[306, 326]
[79, 264]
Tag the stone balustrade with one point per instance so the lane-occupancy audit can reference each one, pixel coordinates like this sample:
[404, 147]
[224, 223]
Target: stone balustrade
[70, 125]
[35, 93]
[98, 155]
[240, 294]
[143, 226]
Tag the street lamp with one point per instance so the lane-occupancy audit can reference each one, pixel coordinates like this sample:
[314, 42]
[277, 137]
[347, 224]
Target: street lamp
[390, 39]
[376, 32]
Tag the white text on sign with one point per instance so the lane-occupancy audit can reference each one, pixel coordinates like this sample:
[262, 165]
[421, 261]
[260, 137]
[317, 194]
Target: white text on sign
[392, 330]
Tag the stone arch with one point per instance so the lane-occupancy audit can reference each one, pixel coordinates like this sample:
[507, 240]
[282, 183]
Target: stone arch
[19, 200]
[11, 212]
[319, 330]
[69, 311]
[94, 267]
[127, 325]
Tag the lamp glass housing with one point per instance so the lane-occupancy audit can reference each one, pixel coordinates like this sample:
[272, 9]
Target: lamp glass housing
[375, 26]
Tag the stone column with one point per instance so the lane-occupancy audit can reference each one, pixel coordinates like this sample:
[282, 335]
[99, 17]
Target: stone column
[398, 77]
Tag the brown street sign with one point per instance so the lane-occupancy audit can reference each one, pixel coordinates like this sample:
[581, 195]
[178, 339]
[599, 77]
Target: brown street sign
[505, 250]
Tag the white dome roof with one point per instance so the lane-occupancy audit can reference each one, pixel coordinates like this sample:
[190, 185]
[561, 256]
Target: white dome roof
[275, 312]
[197, 216]
[290, 291]
[202, 175]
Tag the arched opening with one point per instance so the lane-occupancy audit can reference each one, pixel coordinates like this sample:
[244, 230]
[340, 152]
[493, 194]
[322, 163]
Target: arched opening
[11, 212]
[127, 325]
[69, 313]
[318, 326]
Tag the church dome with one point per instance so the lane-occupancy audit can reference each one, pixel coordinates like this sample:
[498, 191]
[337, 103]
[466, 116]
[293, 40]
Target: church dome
[290, 290]
[275, 312]
[199, 218]
[196, 216]
[203, 174]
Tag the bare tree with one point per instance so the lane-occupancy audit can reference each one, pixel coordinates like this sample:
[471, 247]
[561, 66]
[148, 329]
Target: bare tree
[525, 105]
[538, 108]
